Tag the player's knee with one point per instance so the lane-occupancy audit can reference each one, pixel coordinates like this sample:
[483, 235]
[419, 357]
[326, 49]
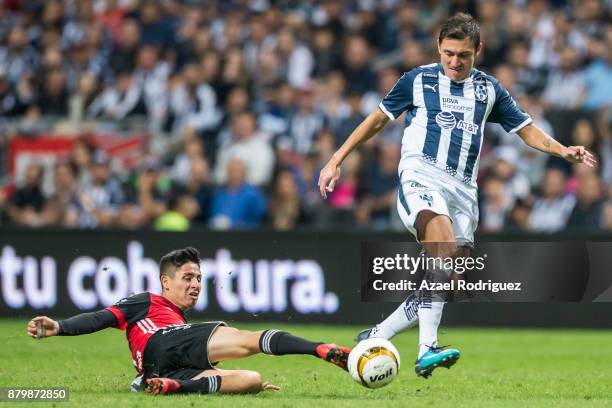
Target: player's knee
[434, 227]
[441, 249]
[448, 250]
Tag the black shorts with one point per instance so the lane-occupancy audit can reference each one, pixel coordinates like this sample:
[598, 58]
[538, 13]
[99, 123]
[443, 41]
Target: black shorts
[179, 352]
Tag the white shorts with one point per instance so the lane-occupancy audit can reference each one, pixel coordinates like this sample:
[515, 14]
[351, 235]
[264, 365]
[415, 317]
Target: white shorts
[441, 193]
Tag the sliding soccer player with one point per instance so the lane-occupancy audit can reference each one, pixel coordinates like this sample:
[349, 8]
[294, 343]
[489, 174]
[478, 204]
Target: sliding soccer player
[447, 105]
[173, 356]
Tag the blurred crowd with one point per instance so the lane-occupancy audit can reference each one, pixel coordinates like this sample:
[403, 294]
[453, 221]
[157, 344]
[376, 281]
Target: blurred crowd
[247, 99]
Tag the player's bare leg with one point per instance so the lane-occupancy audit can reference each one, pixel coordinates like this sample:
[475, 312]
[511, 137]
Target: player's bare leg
[435, 231]
[228, 343]
[439, 240]
[436, 234]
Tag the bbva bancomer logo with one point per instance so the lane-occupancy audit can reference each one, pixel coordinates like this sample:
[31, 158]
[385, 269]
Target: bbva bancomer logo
[264, 285]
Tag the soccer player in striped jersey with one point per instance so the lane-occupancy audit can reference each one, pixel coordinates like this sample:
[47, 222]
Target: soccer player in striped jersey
[173, 356]
[447, 105]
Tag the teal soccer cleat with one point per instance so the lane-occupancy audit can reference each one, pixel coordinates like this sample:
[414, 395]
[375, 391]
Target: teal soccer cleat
[435, 357]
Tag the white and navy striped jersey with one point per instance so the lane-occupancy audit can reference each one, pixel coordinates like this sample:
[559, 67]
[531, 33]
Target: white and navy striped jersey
[445, 119]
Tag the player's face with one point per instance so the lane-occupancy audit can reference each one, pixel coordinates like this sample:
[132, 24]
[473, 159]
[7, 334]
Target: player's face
[457, 57]
[184, 287]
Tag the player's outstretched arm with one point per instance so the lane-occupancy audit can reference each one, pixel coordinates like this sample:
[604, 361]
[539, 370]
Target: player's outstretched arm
[330, 174]
[84, 323]
[535, 137]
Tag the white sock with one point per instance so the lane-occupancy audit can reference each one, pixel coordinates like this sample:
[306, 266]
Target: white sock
[430, 314]
[404, 317]
[430, 310]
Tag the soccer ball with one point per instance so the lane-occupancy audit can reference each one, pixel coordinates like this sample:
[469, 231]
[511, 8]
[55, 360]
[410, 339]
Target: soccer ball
[374, 363]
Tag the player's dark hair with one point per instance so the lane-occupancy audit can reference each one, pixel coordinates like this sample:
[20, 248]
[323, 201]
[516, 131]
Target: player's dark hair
[459, 27]
[177, 258]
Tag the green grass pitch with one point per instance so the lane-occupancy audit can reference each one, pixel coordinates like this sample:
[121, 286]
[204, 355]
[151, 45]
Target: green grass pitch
[498, 368]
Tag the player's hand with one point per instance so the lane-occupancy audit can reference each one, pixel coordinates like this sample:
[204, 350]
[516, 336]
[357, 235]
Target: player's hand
[42, 326]
[269, 387]
[578, 154]
[328, 177]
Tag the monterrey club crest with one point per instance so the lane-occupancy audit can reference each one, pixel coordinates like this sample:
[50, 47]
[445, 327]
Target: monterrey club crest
[480, 90]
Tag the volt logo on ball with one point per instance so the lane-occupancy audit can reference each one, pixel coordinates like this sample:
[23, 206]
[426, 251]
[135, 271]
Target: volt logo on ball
[382, 376]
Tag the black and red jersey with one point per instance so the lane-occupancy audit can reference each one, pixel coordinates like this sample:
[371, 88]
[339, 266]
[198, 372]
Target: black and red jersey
[142, 315]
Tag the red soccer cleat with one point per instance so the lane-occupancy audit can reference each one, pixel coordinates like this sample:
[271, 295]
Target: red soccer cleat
[334, 354]
[163, 386]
